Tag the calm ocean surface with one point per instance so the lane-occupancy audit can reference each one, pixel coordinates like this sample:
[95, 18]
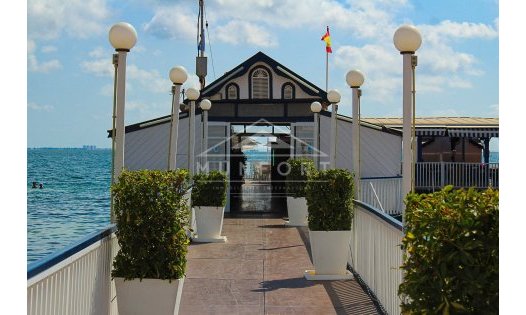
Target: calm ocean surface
[74, 202]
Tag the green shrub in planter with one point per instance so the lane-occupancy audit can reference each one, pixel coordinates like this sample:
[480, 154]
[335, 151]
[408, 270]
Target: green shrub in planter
[452, 252]
[297, 177]
[209, 190]
[151, 214]
[330, 200]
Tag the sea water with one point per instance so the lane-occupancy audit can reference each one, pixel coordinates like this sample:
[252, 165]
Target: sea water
[74, 200]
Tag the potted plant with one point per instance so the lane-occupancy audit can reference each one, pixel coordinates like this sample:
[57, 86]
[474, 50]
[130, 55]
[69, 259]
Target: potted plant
[331, 211]
[209, 200]
[151, 216]
[296, 181]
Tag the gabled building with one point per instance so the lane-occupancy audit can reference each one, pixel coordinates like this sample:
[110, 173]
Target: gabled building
[261, 96]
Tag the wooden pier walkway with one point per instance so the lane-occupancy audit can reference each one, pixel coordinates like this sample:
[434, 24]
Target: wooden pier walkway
[260, 271]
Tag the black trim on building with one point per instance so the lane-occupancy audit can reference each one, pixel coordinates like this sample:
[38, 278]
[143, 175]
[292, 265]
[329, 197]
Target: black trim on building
[283, 91]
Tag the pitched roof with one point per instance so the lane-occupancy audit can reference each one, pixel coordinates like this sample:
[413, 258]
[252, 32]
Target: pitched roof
[241, 69]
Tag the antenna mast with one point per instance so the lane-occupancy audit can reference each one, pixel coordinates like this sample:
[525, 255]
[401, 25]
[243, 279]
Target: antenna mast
[200, 60]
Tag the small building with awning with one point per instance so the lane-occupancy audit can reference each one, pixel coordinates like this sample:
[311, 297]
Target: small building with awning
[449, 139]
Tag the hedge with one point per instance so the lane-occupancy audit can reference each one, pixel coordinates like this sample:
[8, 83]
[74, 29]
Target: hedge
[330, 200]
[297, 176]
[451, 263]
[151, 215]
[209, 190]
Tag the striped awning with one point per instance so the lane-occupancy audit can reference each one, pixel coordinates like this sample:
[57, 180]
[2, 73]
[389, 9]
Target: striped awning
[430, 132]
[473, 132]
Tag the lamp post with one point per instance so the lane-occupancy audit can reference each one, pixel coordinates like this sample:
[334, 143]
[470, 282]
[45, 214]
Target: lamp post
[315, 107]
[407, 40]
[192, 94]
[178, 76]
[122, 37]
[334, 98]
[205, 106]
[355, 79]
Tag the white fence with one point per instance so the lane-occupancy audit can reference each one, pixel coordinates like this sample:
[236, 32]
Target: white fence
[435, 175]
[376, 254]
[384, 193]
[76, 280]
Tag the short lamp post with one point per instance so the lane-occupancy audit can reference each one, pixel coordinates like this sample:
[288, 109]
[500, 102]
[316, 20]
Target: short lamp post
[178, 76]
[315, 107]
[407, 40]
[122, 37]
[205, 107]
[355, 79]
[192, 94]
[334, 98]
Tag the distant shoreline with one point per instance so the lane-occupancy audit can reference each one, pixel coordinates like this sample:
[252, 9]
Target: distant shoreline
[67, 148]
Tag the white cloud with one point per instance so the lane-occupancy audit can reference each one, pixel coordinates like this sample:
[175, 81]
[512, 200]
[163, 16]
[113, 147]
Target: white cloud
[37, 107]
[49, 49]
[98, 67]
[151, 80]
[447, 30]
[172, 22]
[48, 19]
[34, 65]
[241, 32]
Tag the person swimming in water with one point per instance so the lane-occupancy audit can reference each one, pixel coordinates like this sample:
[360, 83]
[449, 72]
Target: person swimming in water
[34, 185]
[41, 186]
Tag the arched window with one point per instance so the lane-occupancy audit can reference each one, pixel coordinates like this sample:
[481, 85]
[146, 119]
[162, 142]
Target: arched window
[260, 84]
[232, 91]
[287, 91]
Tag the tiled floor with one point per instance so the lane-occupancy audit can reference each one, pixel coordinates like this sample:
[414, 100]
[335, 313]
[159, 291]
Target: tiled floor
[260, 271]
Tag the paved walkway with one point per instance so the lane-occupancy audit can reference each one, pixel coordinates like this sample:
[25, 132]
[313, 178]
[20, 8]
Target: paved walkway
[260, 271]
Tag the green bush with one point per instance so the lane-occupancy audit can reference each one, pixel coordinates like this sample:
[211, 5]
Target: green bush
[451, 263]
[151, 215]
[209, 190]
[297, 177]
[330, 200]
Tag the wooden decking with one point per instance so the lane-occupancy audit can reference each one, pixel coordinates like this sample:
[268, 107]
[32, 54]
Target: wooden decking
[260, 271]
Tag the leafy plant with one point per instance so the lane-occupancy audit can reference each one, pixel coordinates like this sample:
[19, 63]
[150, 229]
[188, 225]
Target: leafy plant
[151, 216]
[297, 177]
[330, 200]
[451, 263]
[209, 190]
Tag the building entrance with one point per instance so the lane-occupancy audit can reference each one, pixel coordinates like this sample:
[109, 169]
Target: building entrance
[256, 183]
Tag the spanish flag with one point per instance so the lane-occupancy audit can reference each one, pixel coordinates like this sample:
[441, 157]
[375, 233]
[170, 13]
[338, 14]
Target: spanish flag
[327, 39]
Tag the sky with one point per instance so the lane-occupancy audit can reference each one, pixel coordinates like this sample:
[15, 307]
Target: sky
[70, 75]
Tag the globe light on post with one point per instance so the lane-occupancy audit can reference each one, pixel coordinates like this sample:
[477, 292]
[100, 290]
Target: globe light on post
[178, 76]
[334, 97]
[205, 106]
[355, 79]
[192, 94]
[316, 107]
[407, 39]
[122, 37]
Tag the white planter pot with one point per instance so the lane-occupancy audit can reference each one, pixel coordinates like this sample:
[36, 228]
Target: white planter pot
[298, 211]
[149, 296]
[209, 223]
[330, 251]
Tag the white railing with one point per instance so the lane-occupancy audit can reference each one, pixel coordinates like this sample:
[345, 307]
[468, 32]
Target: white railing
[376, 254]
[76, 280]
[435, 175]
[384, 193]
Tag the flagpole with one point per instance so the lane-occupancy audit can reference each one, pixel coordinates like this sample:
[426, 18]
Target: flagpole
[326, 71]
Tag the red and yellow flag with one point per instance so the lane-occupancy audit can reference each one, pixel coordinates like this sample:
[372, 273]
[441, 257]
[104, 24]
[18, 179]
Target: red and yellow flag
[327, 39]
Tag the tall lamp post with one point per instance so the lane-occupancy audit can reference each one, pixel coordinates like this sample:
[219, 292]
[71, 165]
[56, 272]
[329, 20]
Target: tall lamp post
[355, 79]
[315, 107]
[334, 98]
[192, 94]
[122, 37]
[178, 76]
[407, 40]
[205, 106]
